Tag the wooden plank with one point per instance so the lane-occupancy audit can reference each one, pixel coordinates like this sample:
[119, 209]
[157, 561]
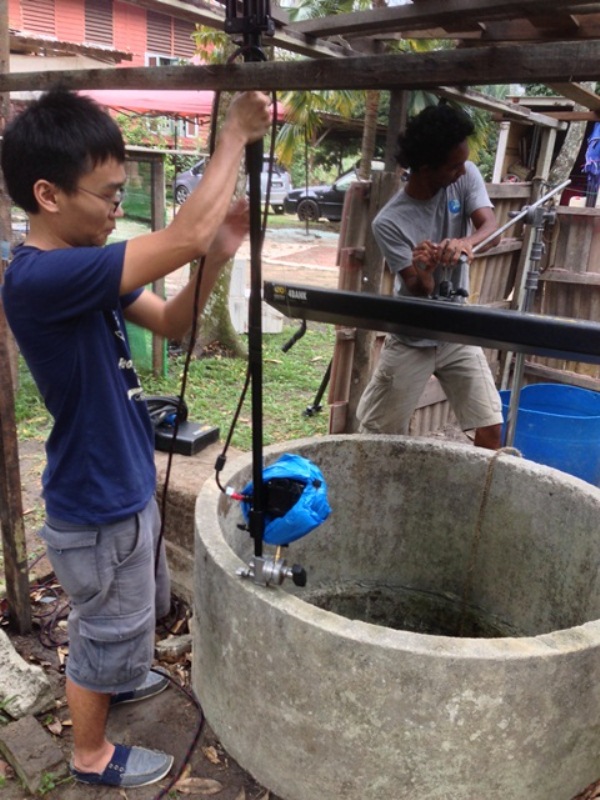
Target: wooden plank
[584, 97]
[507, 110]
[508, 64]
[350, 260]
[577, 246]
[525, 30]
[556, 275]
[509, 191]
[553, 375]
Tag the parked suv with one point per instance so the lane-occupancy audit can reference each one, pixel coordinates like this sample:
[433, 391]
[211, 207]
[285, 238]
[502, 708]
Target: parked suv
[186, 181]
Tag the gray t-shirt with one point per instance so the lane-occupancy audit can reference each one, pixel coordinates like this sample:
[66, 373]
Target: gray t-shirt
[404, 222]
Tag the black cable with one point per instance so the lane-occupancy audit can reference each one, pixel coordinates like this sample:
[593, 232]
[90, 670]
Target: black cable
[180, 409]
[222, 458]
[195, 739]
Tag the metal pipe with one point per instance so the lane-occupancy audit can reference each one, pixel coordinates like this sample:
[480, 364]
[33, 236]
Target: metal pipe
[524, 304]
[526, 210]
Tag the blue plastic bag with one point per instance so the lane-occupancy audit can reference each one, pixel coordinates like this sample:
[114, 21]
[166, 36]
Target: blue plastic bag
[309, 511]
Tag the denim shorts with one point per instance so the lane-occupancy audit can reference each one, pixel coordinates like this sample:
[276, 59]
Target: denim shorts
[108, 572]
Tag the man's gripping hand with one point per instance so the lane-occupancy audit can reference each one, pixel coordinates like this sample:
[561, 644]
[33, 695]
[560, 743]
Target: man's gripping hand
[450, 251]
[249, 116]
[425, 256]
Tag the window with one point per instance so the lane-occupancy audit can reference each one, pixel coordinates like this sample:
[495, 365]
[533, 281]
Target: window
[39, 16]
[183, 44]
[159, 33]
[153, 60]
[170, 36]
[99, 21]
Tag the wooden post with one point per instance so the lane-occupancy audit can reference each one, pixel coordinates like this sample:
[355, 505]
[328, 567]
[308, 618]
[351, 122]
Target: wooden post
[396, 123]
[11, 505]
[383, 186]
[6, 238]
[158, 223]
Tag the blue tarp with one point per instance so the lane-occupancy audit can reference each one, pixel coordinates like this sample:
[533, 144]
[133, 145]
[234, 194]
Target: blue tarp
[309, 511]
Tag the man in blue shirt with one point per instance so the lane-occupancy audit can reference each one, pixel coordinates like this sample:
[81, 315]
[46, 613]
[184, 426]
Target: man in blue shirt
[66, 297]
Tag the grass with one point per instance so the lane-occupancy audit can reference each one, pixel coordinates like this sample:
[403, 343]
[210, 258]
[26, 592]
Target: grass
[290, 383]
[214, 384]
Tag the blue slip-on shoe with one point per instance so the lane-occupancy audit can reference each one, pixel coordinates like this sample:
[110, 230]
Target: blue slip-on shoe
[129, 767]
[154, 684]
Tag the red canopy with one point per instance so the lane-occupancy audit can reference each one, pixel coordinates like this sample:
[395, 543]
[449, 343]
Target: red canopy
[168, 102]
[184, 103]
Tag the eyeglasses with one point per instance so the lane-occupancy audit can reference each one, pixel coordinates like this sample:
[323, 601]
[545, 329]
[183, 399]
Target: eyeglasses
[115, 201]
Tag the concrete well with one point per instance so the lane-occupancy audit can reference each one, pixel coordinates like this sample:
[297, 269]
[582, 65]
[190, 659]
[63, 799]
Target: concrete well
[447, 644]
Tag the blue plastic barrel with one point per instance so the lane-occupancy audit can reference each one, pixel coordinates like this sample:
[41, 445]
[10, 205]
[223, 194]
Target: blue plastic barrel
[559, 425]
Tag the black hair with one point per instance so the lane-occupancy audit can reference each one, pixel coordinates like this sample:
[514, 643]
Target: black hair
[59, 137]
[431, 136]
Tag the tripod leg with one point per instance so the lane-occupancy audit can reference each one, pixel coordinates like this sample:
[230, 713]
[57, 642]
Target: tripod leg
[316, 406]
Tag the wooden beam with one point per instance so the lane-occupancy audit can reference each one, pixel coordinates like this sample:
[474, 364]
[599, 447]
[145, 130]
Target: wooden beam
[525, 30]
[545, 63]
[506, 109]
[434, 13]
[574, 91]
[575, 116]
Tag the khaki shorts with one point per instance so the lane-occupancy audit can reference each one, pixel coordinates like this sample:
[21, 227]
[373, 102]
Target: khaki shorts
[394, 390]
[109, 575]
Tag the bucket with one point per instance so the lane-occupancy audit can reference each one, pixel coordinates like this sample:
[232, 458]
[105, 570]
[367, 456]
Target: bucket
[559, 425]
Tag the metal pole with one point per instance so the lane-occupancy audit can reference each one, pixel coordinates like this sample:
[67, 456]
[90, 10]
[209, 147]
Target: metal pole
[254, 21]
[538, 220]
[531, 285]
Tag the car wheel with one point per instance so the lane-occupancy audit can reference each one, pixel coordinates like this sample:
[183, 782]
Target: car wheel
[181, 194]
[308, 210]
[277, 209]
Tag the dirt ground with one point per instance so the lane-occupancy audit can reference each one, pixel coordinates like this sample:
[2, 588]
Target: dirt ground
[172, 721]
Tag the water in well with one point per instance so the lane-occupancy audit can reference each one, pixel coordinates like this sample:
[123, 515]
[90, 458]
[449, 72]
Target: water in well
[409, 609]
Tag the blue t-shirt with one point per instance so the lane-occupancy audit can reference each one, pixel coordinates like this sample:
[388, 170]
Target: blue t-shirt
[65, 311]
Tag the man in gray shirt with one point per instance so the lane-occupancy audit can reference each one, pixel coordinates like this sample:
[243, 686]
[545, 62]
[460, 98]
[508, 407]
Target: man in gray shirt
[442, 213]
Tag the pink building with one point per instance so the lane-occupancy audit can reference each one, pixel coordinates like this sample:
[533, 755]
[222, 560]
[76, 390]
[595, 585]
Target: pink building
[149, 37]
[48, 35]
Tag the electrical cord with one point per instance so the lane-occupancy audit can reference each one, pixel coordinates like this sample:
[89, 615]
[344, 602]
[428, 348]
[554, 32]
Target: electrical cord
[195, 739]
